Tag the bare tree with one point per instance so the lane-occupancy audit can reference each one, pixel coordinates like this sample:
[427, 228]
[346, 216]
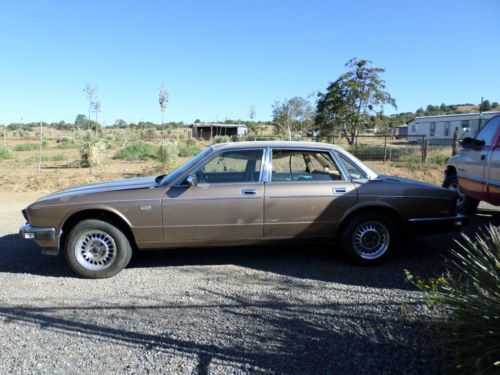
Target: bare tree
[91, 91]
[164, 95]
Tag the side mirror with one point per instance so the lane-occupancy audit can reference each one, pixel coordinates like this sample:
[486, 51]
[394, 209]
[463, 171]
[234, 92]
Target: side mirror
[191, 180]
[467, 142]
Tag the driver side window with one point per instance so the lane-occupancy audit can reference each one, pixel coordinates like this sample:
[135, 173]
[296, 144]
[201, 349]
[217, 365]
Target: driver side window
[232, 167]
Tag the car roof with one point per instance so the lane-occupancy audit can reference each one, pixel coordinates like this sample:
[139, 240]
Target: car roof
[280, 144]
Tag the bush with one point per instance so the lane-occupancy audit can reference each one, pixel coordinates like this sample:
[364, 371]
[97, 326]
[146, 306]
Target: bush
[67, 142]
[469, 299]
[222, 139]
[30, 146]
[191, 142]
[91, 150]
[137, 151]
[166, 157]
[189, 151]
[6, 152]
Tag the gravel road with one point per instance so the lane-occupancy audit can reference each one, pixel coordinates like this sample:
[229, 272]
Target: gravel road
[225, 311]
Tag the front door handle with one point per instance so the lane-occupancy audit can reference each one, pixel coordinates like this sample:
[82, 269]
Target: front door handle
[339, 190]
[248, 191]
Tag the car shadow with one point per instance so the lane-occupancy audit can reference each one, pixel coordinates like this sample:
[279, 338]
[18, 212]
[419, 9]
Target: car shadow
[424, 256]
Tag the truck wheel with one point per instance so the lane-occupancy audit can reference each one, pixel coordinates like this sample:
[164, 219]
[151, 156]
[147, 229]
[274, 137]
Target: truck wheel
[96, 249]
[368, 238]
[465, 204]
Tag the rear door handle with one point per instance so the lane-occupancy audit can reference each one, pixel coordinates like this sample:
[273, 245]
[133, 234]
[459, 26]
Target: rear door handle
[248, 191]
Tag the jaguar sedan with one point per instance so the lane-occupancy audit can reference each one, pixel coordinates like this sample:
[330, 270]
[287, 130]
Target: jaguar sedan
[242, 193]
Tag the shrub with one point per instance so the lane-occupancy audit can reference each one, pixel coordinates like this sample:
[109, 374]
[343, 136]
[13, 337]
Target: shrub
[137, 151]
[189, 151]
[222, 139]
[30, 146]
[166, 157]
[91, 150]
[469, 298]
[6, 152]
[191, 142]
[67, 142]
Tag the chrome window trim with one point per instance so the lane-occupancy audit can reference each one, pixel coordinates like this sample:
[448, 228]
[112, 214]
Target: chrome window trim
[325, 150]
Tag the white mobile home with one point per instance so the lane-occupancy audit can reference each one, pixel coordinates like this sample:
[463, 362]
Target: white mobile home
[440, 129]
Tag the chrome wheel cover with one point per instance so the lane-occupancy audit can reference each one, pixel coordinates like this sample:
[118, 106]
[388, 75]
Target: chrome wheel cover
[95, 250]
[461, 196]
[371, 240]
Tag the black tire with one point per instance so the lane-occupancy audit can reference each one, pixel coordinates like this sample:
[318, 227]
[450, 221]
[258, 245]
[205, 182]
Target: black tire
[376, 244]
[465, 204]
[96, 249]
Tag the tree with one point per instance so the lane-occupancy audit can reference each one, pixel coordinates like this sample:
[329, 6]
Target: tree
[80, 120]
[351, 99]
[288, 116]
[420, 110]
[443, 107]
[486, 105]
[120, 123]
[494, 105]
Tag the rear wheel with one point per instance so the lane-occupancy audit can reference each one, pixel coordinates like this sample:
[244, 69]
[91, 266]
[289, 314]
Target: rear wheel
[368, 238]
[96, 249]
[465, 204]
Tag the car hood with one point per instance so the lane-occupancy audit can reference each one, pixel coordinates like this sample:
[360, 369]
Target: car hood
[127, 184]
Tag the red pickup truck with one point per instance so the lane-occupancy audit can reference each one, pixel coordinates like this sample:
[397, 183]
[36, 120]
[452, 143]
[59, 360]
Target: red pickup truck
[474, 172]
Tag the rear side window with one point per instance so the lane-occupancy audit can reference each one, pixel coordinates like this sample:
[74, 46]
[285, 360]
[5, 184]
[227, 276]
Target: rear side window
[296, 165]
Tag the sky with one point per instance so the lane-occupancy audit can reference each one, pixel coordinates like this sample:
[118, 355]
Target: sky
[217, 58]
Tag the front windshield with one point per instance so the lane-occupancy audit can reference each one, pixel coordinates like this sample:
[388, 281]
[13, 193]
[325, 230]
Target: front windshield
[184, 167]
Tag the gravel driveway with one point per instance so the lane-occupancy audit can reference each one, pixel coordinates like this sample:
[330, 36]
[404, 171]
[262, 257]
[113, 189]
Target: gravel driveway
[208, 311]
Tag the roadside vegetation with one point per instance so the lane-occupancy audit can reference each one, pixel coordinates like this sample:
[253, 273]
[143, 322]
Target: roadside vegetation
[6, 152]
[467, 299]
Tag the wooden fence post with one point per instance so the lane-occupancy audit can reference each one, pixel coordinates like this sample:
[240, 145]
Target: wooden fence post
[454, 145]
[425, 144]
[385, 148]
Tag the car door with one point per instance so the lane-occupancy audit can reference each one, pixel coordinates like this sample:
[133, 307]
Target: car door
[471, 171]
[226, 202]
[493, 164]
[306, 194]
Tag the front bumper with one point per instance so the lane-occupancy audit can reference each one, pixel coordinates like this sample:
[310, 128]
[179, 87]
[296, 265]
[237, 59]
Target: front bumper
[434, 225]
[28, 232]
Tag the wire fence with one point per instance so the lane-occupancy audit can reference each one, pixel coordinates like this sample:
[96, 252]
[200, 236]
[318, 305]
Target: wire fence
[386, 148]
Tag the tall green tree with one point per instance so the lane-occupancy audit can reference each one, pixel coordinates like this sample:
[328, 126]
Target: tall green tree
[348, 102]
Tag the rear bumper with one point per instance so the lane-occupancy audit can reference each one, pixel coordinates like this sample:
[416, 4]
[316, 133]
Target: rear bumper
[435, 225]
[45, 237]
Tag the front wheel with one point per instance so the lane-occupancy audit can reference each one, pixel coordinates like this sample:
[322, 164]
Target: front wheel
[96, 249]
[465, 204]
[368, 238]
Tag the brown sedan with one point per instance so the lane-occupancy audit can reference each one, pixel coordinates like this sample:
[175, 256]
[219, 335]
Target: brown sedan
[237, 194]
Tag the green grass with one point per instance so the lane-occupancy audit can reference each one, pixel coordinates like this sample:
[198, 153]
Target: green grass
[56, 157]
[137, 151]
[189, 151]
[6, 152]
[30, 146]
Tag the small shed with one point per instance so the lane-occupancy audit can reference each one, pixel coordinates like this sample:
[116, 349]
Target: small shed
[208, 131]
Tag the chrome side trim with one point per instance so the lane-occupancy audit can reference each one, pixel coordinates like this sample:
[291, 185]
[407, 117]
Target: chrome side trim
[457, 217]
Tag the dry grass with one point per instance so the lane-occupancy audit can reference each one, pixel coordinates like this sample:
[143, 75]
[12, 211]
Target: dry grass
[61, 167]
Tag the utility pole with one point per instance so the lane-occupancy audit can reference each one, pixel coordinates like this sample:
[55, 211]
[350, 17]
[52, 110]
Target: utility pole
[41, 142]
